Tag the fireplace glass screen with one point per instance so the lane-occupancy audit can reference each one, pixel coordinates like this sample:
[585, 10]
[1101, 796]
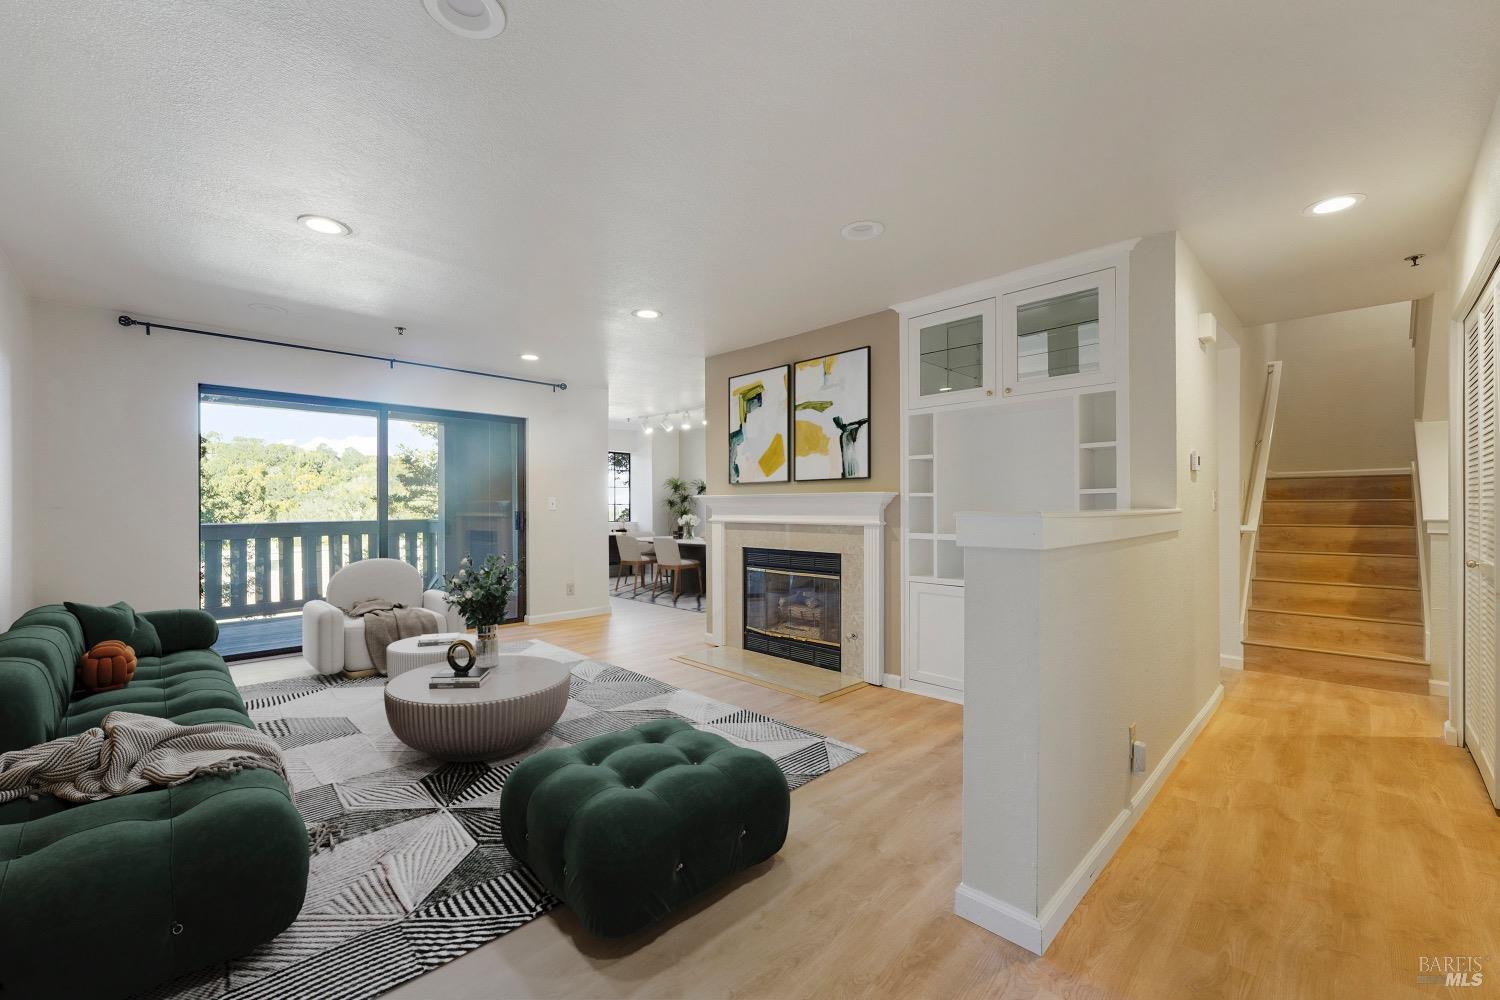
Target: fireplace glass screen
[792, 605]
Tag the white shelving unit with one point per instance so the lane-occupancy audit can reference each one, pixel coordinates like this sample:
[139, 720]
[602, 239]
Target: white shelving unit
[1007, 438]
[1098, 451]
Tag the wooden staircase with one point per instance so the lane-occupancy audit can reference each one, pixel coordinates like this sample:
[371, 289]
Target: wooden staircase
[1337, 592]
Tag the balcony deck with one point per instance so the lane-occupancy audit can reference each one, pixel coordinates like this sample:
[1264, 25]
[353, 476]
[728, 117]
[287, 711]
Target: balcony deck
[251, 636]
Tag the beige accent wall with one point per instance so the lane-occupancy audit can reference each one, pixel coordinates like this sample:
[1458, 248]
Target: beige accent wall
[881, 332]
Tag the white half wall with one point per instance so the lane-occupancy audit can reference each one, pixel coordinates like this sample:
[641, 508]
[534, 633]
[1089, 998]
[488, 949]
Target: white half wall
[112, 470]
[1080, 626]
[14, 532]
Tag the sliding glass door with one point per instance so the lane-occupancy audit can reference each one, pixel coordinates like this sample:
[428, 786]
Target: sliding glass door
[454, 484]
[291, 488]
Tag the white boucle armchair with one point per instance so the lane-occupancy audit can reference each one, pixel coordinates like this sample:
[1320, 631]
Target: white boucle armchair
[332, 641]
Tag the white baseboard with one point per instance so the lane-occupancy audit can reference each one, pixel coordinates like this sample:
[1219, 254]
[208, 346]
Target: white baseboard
[1327, 473]
[564, 616]
[1439, 688]
[998, 917]
[1035, 934]
[1450, 734]
[892, 681]
[708, 637]
[1231, 662]
[932, 691]
[1144, 794]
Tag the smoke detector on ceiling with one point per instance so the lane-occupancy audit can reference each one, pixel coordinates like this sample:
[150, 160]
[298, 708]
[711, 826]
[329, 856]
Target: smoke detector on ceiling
[468, 18]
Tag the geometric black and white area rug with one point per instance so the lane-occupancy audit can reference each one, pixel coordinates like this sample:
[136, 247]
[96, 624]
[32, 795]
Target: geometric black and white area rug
[418, 874]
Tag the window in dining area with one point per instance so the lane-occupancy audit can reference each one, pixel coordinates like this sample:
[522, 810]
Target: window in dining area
[618, 486]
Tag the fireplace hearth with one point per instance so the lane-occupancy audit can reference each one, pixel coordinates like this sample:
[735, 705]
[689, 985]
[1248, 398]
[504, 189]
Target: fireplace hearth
[792, 605]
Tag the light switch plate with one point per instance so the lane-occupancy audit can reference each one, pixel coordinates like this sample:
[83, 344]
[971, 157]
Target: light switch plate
[552, 503]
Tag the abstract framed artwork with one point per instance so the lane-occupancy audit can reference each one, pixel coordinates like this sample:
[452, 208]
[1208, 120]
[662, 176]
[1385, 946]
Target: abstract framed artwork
[831, 416]
[758, 421]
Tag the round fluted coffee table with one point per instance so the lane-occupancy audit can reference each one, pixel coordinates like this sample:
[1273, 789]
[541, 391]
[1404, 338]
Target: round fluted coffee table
[520, 702]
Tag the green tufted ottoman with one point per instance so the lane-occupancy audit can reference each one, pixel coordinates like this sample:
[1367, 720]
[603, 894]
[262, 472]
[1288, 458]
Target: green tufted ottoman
[626, 827]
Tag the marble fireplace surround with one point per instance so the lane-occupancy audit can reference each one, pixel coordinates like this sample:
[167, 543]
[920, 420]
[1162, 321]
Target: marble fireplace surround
[851, 524]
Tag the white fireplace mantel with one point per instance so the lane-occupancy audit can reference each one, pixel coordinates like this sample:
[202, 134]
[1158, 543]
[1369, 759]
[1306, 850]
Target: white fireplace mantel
[798, 508]
[858, 510]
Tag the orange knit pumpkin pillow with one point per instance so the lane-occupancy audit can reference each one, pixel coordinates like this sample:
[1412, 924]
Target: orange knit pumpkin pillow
[107, 667]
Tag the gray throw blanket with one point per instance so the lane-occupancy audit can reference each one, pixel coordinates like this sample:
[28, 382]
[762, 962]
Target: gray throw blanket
[385, 622]
[130, 752]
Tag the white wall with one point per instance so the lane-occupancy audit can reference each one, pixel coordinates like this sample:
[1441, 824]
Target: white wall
[14, 532]
[1204, 535]
[628, 438]
[1348, 393]
[1478, 216]
[692, 454]
[113, 471]
[664, 459]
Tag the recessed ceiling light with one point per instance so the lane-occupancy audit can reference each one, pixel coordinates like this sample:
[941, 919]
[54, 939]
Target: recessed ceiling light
[1338, 203]
[323, 224]
[646, 314]
[864, 229]
[530, 357]
[468, 18]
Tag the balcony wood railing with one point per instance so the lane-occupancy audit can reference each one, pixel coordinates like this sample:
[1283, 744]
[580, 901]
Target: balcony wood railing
[266, 568]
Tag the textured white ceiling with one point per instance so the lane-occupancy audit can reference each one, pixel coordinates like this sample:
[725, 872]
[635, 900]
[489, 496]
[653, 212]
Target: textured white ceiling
[528, 192]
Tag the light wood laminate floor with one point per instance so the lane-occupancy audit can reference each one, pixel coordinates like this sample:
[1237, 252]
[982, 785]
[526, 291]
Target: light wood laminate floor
[1313, 843]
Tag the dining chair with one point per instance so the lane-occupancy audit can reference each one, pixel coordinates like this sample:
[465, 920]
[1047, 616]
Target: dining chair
[637, 561]
[669, 559]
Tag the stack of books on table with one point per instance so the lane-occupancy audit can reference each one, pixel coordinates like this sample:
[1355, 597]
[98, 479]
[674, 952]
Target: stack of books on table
[442, 639]
[472, 679]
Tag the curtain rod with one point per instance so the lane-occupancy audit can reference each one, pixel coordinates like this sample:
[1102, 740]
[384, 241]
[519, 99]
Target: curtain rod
[393, 362]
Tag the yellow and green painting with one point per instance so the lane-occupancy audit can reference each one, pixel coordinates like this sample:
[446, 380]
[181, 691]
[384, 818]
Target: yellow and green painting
[758, 426]
[832, 416]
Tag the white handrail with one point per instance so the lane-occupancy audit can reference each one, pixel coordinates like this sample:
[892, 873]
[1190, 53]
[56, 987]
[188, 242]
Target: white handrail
[1256, 491]
[1422, 570]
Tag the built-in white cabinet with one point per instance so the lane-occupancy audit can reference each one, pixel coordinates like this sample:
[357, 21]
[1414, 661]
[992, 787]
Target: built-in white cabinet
[935, 639]
[1059, 335]
[951, 355]
[1015, 400]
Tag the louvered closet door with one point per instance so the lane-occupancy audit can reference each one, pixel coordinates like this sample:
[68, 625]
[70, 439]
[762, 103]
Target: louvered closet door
[1479, 534]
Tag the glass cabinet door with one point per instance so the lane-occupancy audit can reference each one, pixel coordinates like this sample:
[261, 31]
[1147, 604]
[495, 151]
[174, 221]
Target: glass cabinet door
[1060, 334]
[952, 355]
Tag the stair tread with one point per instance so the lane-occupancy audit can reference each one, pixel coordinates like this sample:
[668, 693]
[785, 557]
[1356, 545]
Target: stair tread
[1304, 523]
[1332, 552]
[1337, 500]
[1416, 661]
[1341, 617]
[1332, 583]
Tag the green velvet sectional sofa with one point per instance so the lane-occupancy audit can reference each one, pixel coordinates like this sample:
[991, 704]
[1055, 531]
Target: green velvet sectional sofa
[105, 899]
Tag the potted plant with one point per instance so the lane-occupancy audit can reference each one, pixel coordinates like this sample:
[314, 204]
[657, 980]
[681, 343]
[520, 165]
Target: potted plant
[680, 494]
[481, 595]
